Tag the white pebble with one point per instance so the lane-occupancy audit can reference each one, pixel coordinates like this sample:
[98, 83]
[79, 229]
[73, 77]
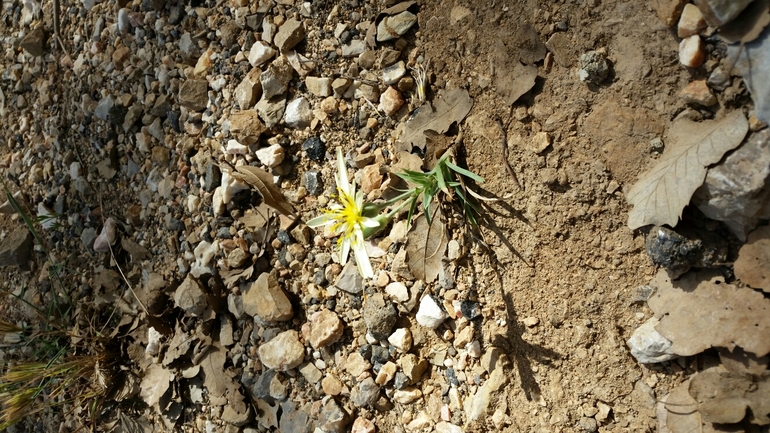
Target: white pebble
[430, 314]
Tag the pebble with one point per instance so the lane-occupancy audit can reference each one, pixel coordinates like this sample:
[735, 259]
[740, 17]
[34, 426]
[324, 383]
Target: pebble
[16, 248]
[313, 182]
[349, 280]
[445, 427]
[319, 86]
[356, 364]
[235, 148]
[393, 27]
[698, 92]
[260, 53]
[103, 107]
[190, 297]
[333, 418]
[397, 291]
[271, 110]
[331, 385]
[310, 373]
[362, 425]
[413, 367]
[315, 149]
[407, 395]
[393, 73]
[390, 101]
[271, 156]
[530, 322]
[265, 298]
[593, 67]
[298, 113]
[540, 142]
[193, 94]
[401, 339]
[379, 316]
[355, 48]
[289, 35]
[34, 42]
[275, 80]
[588, 424]
[105, 239]
[691, 22]
[283, 352]
[325, 328]
[365, 393]
[386, 373]
[648, 346]
[430, 314]
[249, 90]
[691, 52]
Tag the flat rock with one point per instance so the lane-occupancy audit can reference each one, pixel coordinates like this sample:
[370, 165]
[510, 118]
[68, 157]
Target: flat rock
[698, 92]
[349, 280]
[275, 80]
[395, 26]
[104, 106]
[266, 299]
[16, 248]
[289, 34]
[298, 113]
[34, 42]
[310, 372]
[333, 418]
[260, 52]
[190, 297]
[271, 110]
[365, 393]
[390, 101]
[249, 90]
[271, 156]
[193, 94]
[393, 73]
[380, 316]
[319, 86]
[246, 126]
[283, 352]
[325, 328]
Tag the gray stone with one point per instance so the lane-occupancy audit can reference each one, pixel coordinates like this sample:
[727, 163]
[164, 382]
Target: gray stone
[753, 63]
[123, 23]
[379, 316]
[313, 182]
[289, 35]
[187, 46]
[298, 113]
[315, 149]
[395, 26]
[283, 352]
[593, 67]
[194, 94]
[16, 248]
[190, 297]
[684, 248]
[295, 419]
[393, 73]
[366, 59]
[737, 191]
[87, 236]
[720, 12]
[648, 346]
[265, 298]
[34, 42]
[350, 280]
[271, 110]
[355, 48]
[102, 110]
[365, 393]
[260, 52]
[333, 418]
[275, 80]
[588, 424]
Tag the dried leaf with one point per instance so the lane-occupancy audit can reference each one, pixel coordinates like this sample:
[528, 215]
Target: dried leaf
[426, 245]
[263, 182]
[753, 62]
[700, 311]
[214, 378]
[753, 264]
[748, 25]
[233, 275]
[178, 346]
[742, 362]
[155, 383]
[681, 414]
[512, 84]
[723, 397]
[136, 251]
[451, 106]
[662, 193]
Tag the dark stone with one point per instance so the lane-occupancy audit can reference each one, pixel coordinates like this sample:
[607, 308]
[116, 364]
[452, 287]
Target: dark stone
[315, 148]
[294, 419]
[282, 257]
[261, 387]
[284, 237]
[678, 251]
[161, 107]
[175, 225]
[380, 316]
[452, 377]
[117, 114]
[313, 182]
[34, 42]
[213, 177]
[401, 380]
[332, 418]
[319, 278]
[366, 351]
[380, 354]
[224, 233]
[173, 120]
[177, 14]
[16, 248]
[365, 393]
[470, 310]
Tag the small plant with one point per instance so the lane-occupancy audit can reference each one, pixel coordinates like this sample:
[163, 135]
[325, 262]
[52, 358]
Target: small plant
[421, 81]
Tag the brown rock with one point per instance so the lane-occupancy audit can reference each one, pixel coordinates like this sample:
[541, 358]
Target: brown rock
[691, 52]
[698, 92]
[120, 56]
[16, 248]
[325, 328]
[193, 94]
[691, 22]
[669, 10]
[265, 298]
[289, 35]
[390, 101]
[248, 92]
[190, 297]
[371, 178]
[331, 385]
[246, 126]
[34, 42]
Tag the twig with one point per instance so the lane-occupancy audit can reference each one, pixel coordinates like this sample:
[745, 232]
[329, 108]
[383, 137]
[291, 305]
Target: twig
[505, 154]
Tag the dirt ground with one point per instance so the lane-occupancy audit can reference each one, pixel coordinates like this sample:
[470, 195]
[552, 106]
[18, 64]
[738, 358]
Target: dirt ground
[556, 284]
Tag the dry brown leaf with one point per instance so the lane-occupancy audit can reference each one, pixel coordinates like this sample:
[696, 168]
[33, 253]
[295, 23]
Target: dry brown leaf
[513, 83]
[233, 275]
[425, 247]
[178, 346]
[155, 383]
[451, 106]
[723, 397]
[263, 182]
[742, 362]
[753, 264]
[681, 411]
[748, 25]
[700, 311]
[662, 193]
[214, 378]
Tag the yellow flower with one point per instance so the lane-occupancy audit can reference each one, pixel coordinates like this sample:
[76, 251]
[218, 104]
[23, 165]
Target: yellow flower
[350, 218]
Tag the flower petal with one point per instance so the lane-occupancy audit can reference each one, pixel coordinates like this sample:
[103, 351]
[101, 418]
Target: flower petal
[362, 259]
[341, 177]
[345, 249]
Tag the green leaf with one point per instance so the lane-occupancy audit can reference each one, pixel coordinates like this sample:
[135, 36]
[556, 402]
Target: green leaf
[464, 172]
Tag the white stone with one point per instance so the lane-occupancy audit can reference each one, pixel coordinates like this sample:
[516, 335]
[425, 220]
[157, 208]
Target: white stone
[260, 53]
[153, 342]
[648, 346]
[205, 251]
[106, 238]
[230, 187]
[298, 113]
[397, 291]
[393, 73]
[235, 148]
[691, 53]
[401, 339]
[474, 349]
[430, 313]
[319, 86]
[445, 427]
[271, 156]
